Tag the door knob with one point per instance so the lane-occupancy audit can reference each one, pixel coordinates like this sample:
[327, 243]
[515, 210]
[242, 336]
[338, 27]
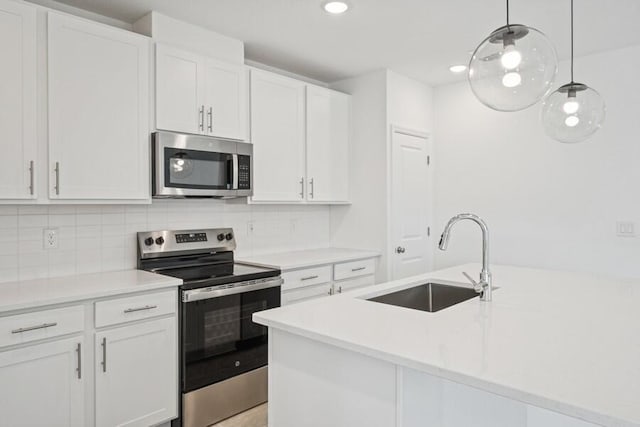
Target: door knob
[400, 250]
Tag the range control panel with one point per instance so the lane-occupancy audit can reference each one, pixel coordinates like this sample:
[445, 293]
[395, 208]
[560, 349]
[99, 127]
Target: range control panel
[163, 243]
[191, 237]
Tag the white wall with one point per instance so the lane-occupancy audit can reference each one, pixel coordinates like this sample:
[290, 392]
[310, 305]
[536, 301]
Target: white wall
[547, 204]
[409, 103]
[379, 100]
[102, 238]
[363, 223]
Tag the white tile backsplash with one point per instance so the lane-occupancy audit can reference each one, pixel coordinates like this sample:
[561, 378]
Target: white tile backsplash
[102, 238]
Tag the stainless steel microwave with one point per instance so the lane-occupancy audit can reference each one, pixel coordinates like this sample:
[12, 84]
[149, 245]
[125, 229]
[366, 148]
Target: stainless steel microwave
[200, 166]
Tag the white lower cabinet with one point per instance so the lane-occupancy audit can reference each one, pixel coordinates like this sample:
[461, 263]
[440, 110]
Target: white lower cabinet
[43, 385]
[326, 280]
[51, 376]
[136, 374]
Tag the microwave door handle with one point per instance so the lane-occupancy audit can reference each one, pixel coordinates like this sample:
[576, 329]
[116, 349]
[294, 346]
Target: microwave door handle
[234, 185]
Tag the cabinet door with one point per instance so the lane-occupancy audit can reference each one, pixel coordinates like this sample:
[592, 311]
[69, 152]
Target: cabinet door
[277, 133]
[17, 99]
[328, 117]
[43, 385]
[98, 111]
[136, 372]
[225, 99]
[179, 83]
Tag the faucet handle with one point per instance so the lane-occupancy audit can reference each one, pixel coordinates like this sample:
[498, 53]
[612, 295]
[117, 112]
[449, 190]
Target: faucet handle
[478, 287]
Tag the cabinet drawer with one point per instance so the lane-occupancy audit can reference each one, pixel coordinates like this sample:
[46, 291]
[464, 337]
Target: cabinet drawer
[121, 310]
[306, 277]
[306, 293]
[358, 282]
[347, 270]
[37, 325]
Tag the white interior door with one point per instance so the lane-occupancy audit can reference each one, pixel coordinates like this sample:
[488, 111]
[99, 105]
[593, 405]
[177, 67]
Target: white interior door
[410, 247]
[17, 99]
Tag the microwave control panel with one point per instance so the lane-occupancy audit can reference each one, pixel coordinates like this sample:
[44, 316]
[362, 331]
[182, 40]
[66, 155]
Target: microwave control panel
[244, 172]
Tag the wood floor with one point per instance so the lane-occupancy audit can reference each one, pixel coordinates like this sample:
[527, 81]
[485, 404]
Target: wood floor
[254, 417]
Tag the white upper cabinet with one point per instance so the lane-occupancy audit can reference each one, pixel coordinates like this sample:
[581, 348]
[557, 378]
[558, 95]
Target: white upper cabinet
[225, 100]
[277, 133]
[300, 136]
[179, 77]
[196, 94]
[328, 117]
[98, 111]
[43, 385]
[17, 100]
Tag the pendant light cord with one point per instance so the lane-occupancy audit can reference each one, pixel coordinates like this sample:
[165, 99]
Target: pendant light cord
[571, 41]
[508, 13]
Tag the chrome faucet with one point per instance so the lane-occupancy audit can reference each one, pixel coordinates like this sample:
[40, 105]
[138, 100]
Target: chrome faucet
[483, 287]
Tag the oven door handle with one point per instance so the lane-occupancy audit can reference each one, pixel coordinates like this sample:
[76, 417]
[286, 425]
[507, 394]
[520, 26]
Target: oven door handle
[234, 184]
[238, 288]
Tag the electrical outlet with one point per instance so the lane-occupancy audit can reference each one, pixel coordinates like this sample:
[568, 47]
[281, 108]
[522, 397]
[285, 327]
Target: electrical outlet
[51, 238]
[250, 228]
[626, 229]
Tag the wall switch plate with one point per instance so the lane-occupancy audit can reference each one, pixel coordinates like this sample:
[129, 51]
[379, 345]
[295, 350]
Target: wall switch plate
[626, 229]
[51, 238]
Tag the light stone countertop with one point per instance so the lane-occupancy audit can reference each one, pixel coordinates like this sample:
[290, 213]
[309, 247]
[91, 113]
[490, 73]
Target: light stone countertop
[58, 290]
[567, 342]
[294, 260]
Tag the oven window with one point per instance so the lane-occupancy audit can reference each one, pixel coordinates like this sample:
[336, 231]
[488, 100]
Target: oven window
[220, 340]
[230, 325]
[198, 169]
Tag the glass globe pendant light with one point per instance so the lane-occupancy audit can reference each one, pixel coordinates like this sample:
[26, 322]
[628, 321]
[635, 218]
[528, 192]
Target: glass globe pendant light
[574, 111]
[513, 68]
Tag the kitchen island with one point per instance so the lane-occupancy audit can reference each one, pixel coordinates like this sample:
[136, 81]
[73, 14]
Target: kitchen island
[551, 349]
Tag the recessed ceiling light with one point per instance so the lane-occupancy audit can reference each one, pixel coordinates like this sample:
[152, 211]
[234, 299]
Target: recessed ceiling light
[335, 7]
[457, 68]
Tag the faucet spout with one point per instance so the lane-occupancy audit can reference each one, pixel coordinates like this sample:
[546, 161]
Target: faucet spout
[485, 274]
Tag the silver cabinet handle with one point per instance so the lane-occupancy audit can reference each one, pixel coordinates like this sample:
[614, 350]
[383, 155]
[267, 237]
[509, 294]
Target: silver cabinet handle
[33, 328]
[309, 278]
[201, 116]
[31, 187]
[358, 269]
[210, 117]
[400, 250]
[340, 289]
[57, 186]
[104, 354]
[79, 367]
[302, 188]
[331, 291]
[311, 186]
[146, 307]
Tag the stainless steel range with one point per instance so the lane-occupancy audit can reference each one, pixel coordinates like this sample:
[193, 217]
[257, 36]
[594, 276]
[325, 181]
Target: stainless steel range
[223, 353]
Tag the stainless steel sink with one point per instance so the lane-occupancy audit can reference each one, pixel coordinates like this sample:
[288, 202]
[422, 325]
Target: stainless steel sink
[429, 297]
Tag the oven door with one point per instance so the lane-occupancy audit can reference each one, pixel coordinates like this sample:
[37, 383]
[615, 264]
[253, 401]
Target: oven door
[196, 166]
[219, 338]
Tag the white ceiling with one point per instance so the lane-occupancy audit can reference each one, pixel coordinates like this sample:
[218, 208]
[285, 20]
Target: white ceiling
[418, 38]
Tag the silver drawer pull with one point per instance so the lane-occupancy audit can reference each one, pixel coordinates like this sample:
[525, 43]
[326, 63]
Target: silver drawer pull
[358, 269]
[33, 328]
[309, 278]
[104, 354]
[146, 307]
[79, 367]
